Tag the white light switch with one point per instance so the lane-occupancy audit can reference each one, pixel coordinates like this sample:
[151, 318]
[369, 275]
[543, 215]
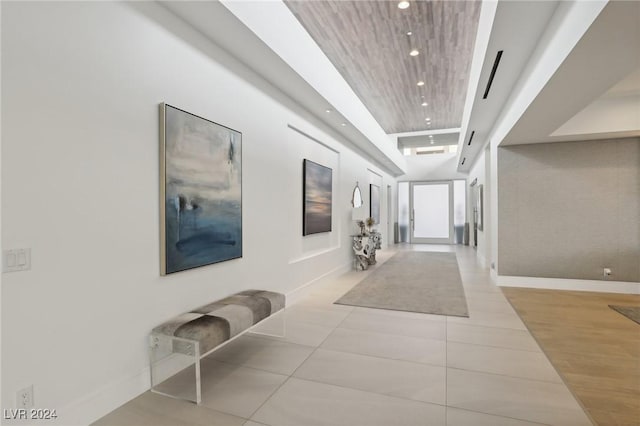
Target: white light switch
[11, 259]
[22, 258]
[16, 260]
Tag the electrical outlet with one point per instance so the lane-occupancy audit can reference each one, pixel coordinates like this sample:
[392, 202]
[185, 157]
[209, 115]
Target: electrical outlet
[606, 272]
[24, 398]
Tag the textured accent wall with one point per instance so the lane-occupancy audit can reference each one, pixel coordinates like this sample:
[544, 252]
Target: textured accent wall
[568, 210]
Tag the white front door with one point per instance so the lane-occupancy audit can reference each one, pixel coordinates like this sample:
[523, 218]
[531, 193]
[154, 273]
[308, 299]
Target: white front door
[431, 212]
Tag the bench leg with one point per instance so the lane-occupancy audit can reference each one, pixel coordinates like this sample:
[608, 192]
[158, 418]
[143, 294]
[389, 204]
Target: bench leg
[170, 359]
[281, 327]
[198, 385]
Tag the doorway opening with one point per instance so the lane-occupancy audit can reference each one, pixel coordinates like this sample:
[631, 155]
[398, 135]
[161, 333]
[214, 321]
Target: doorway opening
[432, 212]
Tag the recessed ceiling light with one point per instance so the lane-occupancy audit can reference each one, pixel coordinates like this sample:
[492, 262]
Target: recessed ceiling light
[343, 124]
[431, 142]
[327, 111]
[414, 52]
[409, 33]
[403, 4]
[427, 119]
[424, 104]
[421, 83]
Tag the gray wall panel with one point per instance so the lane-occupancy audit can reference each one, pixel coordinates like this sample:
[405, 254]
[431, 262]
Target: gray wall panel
[570, 209]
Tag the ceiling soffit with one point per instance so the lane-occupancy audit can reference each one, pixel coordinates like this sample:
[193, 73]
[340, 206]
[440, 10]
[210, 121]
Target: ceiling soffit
[368, 44]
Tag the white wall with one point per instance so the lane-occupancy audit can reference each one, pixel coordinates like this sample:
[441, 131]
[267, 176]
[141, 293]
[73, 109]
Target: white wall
[431, 167]
[81, 86]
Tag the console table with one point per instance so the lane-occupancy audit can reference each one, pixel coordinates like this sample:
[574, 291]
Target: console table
[364, 248]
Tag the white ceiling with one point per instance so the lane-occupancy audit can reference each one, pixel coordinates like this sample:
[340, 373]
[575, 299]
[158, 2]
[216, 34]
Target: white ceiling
[271, 64]
[585, 80]
[515, 29]
[614, 114]
[597, 81]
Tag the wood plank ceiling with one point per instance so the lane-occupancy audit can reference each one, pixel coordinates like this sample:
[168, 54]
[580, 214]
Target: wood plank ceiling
[367, 42]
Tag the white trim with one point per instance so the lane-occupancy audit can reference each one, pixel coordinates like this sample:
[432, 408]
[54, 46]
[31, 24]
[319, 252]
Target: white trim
[295, 295]
[425, 132]
[481, 260]
[599, 286]
[308, 136]
[102, 401]
[483, 35]
[313, 254]
[276, 26]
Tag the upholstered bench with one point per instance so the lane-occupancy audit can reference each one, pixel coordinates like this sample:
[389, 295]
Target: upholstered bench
[182, 341]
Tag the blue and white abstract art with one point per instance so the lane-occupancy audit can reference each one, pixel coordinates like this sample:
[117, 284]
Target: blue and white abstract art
[201, 188]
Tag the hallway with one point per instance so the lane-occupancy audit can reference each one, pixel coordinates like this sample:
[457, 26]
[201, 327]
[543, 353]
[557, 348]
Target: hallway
[344, 365]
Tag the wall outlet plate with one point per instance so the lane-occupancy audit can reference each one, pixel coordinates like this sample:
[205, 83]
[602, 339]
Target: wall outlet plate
[24, 398]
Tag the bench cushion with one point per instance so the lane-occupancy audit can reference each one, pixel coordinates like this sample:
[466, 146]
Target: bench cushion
[219, 321]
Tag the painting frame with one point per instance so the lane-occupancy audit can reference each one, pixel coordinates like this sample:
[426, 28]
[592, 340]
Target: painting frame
[200, 191]
[317, 198]
[374, 203]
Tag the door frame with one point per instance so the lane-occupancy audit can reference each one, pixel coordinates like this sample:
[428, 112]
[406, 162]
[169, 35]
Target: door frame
[391, 234]
[412, 238]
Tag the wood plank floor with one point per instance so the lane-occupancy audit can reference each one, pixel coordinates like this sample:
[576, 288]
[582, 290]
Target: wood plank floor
[595, 349]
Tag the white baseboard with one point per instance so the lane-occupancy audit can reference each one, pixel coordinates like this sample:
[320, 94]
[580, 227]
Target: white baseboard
[102, 401]
[599, 286]
[481, 260]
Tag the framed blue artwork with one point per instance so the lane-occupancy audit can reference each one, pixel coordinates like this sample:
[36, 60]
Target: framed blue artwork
[200, 191]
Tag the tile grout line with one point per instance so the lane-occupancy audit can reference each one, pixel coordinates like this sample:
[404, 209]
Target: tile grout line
[446, 372]
[506, 348]
[418, 363]
[504, 417]
[373, 393]
[294, 371]
[315, 348]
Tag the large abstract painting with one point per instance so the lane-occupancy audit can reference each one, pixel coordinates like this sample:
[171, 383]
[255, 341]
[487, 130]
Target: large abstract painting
[201, 191]
[374, 199]
[317, 188]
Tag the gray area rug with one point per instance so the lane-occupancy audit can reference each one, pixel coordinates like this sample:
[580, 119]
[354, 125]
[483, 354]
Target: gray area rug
[631, 312]
[425, 282]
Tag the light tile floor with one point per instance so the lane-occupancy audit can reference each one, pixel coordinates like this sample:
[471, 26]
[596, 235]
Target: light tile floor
[344, 365]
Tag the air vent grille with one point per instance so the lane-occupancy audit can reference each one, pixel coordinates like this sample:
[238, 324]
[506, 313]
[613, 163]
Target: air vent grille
[471, 138]
[493, 74]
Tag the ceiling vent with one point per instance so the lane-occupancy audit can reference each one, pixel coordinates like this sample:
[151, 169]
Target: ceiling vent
[493, 74]
[471, 138]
